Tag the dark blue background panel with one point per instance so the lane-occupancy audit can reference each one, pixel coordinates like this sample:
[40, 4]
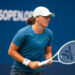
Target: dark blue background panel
[63, 27]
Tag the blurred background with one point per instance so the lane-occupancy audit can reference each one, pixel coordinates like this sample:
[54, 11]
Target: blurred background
[13, 16]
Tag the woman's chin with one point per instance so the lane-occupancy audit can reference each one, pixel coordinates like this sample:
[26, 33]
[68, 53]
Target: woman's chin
[46, 25]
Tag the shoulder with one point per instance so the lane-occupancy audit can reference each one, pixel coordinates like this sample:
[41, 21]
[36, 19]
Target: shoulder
[24, 29]
[48, 31]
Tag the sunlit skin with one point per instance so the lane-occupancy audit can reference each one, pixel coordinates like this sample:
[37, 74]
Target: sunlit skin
[40, 23]
[43, 20]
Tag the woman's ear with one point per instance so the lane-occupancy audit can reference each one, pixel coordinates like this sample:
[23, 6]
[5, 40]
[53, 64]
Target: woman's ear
[37, 19]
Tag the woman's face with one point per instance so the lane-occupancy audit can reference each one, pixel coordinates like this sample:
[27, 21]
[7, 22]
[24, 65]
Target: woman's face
[43, 20]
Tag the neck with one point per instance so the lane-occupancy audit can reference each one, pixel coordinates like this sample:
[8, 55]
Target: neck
[38, 29]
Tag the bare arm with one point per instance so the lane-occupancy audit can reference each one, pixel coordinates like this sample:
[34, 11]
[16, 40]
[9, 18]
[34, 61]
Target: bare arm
[48, 53]
[14, 54]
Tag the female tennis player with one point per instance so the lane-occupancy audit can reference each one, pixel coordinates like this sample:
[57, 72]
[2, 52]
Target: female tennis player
[28, 44]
